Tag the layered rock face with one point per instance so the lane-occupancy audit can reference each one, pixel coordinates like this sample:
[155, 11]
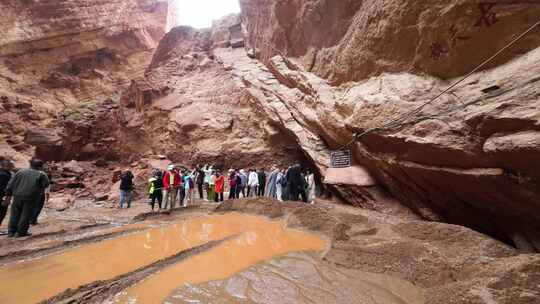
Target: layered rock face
[351, 40]
[469, 158]
[55, 54]
[189, 107]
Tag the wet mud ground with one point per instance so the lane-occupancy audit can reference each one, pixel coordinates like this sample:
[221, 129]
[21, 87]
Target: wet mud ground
[246, 251]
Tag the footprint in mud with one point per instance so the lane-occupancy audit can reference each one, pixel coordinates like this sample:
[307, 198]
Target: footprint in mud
[300, 278]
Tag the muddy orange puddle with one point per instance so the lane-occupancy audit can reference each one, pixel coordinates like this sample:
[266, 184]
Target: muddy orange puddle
[259, 239]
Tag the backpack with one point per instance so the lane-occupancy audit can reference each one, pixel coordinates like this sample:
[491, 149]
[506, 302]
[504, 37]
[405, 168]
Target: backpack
[191, 185]
[238, 180]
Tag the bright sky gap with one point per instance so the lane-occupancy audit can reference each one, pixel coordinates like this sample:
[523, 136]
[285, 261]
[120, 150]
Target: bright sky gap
[201, 13]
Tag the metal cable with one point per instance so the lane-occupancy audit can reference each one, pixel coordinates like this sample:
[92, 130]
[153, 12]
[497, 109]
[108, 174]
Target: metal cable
[398, 120]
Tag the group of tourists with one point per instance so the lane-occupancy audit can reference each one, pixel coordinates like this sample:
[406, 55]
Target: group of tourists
[174, 185]
[26, 191]
[164, 188]
[290, 184]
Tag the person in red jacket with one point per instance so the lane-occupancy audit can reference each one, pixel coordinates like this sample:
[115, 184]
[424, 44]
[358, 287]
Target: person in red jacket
[171, 183]
[219, 185]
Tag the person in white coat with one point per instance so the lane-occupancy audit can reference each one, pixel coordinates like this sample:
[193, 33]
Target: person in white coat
[281, 180]
[208, 184]
[253, 183]
[310, 180]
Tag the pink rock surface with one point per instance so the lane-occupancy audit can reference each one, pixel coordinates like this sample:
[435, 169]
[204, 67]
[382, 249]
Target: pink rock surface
[352, 176]
[351, 40]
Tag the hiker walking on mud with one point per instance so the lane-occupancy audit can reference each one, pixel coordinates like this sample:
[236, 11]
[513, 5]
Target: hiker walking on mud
[43, 198]
[155, 189]
[25, 188]
[219, 184]
[171, 183]
[5, 176]
[126, 188]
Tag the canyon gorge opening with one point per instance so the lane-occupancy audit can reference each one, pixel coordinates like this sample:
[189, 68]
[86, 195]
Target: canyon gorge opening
[440, 203]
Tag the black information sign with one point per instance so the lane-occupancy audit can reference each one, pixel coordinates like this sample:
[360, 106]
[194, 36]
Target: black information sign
[340, 159]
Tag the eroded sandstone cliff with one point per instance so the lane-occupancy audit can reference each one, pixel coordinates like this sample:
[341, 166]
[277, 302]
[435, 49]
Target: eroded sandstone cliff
[471, 157]
[350, 40]
[189, 107]
[58, 54]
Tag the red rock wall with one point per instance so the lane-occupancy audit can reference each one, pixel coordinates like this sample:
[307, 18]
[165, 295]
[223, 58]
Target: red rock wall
[190, 108]
[474, 164]
[351, 40]
[55, 54]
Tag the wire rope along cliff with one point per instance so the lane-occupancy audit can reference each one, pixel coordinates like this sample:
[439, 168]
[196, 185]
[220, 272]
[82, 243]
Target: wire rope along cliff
[401, 120]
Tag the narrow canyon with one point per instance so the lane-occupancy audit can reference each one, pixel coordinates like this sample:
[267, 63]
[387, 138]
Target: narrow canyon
[437, 103]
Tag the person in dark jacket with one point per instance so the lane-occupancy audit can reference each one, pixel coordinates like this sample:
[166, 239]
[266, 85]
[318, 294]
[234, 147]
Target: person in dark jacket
[155, 189]
[5, 176]
[232, 184]
[126, 188]
[43, 198]
[241, 183]
[262, 182]
[199, 180]
[296, 183]
[25, 187]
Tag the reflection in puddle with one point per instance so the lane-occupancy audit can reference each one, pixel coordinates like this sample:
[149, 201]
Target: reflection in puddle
[298, 278]
[260, 240]
[36, 280]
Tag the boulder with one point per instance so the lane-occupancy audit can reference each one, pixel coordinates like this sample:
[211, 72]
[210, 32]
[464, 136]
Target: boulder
[99, 197]
[72, 168]
[60, 203]
[43, 137]
[67, 183]
[100, 162]
[224, 30]
[48, 143]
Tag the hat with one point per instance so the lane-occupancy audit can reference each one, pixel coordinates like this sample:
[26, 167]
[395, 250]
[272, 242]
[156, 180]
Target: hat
[170, 167]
